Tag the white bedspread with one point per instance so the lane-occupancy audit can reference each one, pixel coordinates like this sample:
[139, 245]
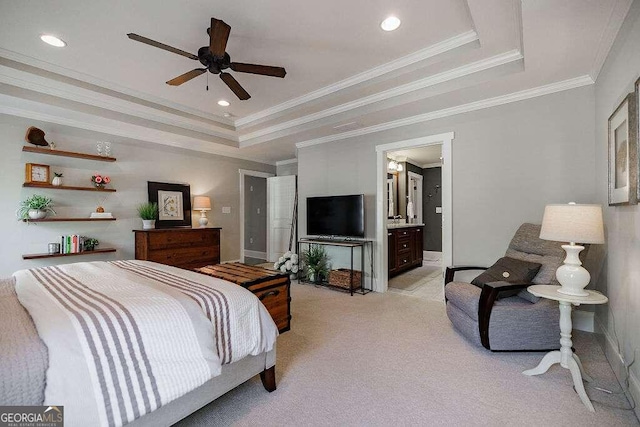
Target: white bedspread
[127, 337]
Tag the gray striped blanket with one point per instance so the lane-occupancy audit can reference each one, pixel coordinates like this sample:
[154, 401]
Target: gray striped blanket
[127, 337]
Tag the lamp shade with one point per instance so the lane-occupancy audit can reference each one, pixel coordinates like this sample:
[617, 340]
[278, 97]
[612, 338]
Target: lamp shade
[201, 203]
[573, 223]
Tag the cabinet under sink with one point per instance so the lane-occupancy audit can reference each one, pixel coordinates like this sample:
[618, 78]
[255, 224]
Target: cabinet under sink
[405, 248]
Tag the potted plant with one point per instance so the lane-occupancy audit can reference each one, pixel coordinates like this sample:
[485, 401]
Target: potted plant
[287, 263]
[99, 181]
[57, 179]
[148, 212]
[317, 263]
[90, 244]
[35, 207]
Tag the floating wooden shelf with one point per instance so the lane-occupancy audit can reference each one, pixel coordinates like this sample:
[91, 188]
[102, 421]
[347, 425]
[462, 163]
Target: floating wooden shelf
[93, 252]
[66, 187]
[67, 154]
[68, 219]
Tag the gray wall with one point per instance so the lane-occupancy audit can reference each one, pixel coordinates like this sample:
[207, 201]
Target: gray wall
[210, 175]
[288, 169]
[508, 162]
[432, 220]
[620, 278]
[255, 213]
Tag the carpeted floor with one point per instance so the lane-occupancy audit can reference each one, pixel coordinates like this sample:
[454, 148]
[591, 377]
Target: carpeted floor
[389, 359]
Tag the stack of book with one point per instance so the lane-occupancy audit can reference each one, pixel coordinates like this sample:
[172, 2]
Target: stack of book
[95, 215]
[71, 244]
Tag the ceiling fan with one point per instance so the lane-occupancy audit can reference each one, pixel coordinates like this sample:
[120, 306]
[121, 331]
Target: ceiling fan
[215, 59]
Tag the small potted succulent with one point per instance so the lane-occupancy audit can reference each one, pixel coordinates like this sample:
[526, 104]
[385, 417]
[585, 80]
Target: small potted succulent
[35, 207]
[57, 179]
[149, 213]
[90, 244]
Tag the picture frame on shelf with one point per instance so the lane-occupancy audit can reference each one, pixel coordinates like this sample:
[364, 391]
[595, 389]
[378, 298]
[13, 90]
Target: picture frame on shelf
[623, 152]
[174, 204]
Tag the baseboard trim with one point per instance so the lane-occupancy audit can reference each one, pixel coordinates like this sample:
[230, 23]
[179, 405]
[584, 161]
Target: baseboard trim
[583, 320]
[616, 361]
[255, 254]
[229, 261]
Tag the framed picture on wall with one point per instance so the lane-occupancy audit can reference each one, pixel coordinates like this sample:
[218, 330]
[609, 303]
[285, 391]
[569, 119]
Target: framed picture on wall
[174, 204]
[623, 153]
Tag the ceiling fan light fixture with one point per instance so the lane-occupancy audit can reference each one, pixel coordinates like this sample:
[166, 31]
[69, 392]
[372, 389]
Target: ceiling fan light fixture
[52, 40]
[223, 103]
[391, 23]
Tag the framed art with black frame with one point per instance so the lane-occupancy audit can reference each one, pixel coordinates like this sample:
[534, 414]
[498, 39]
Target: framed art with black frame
[174, 204]
[623, 153]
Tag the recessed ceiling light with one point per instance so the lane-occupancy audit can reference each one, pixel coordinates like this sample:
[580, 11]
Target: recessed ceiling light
[52, 40]
[223, 103]
[390, 24]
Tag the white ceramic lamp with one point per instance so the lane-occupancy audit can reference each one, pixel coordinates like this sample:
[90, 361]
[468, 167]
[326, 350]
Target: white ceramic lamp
[573, 223]
[202, 204]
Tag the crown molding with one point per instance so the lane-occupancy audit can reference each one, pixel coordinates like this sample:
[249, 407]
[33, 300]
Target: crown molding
[421, 55]
[431, 165]
[83, 96]
[103, 84]
[45, 113]
[617, 16]
[445, 76]
[286, 162]
[465, 108]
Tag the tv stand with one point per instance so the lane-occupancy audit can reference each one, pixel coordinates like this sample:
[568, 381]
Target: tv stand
[347, 243]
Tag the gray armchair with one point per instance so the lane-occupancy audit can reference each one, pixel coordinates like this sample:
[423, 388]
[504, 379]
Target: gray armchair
[521, 322]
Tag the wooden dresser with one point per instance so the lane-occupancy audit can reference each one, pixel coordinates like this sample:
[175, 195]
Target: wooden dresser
[271, 287]
[187, 248]
[405, 248]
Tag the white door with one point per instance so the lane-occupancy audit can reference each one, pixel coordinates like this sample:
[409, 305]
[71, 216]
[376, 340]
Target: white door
[281, 195]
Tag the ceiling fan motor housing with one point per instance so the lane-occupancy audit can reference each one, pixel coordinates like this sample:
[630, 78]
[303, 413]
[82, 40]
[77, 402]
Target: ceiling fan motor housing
[213, 63]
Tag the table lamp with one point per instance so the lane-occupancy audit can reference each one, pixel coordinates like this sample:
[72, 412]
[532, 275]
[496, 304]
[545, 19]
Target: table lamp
[573, 223]
[202, 204]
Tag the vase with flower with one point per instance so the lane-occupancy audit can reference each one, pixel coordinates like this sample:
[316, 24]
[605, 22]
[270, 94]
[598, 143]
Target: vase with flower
[99, 181]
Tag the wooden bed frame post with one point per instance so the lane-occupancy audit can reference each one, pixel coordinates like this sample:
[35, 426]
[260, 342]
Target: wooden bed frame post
[268, 377]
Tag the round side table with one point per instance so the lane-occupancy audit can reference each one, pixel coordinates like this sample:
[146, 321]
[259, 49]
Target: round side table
[565, 356]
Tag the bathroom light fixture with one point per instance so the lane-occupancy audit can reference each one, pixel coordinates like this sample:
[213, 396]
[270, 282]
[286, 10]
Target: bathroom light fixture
[52, 40]
[223, 103]
[391, 23]
[392, 166]
[399, 168]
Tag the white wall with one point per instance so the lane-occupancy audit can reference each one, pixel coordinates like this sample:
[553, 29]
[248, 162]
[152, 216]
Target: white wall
[620, 279]
[508, 163]
[287, 169]
[137, 163]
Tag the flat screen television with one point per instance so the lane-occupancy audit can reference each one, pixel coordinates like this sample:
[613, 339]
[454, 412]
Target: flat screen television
[336, 216]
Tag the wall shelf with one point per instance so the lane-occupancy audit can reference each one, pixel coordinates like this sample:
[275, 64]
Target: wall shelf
[51, 152]
[46, 255]
[68, 219]
[66, 187]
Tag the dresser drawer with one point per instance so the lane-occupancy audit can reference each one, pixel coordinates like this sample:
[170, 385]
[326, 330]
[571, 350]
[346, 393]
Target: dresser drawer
[184, 256]
[186, 238]
[404, 245]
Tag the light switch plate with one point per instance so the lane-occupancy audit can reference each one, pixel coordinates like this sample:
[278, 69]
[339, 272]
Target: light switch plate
[226, 209]
[439, 209]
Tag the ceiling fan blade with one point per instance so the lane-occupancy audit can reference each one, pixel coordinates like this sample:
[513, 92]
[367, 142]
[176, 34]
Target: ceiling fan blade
[263, 70]
[186, 77]
[163, 46]
[218, 36]
[235, 86]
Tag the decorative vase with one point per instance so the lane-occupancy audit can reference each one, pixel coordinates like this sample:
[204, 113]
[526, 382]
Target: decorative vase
[293, 276]
[37, 214]
[57, 181]
[148, 224]
[98, 185]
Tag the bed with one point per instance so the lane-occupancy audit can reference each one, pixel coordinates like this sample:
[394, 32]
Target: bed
[128, 342]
